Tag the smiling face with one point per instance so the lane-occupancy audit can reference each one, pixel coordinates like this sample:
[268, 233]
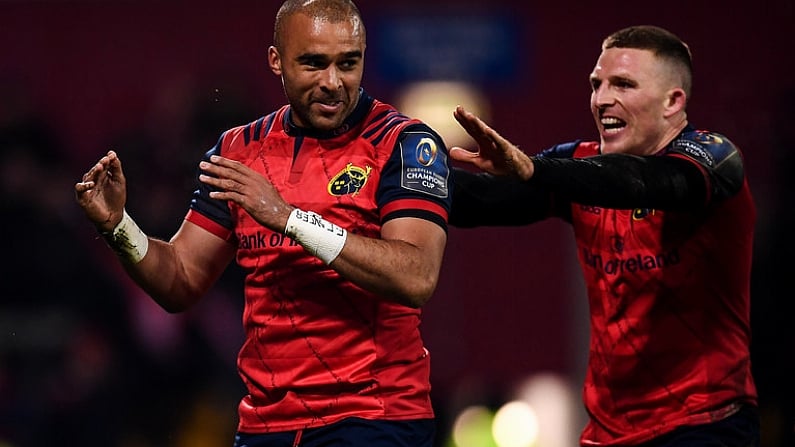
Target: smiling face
[636, 101]
[321, 63]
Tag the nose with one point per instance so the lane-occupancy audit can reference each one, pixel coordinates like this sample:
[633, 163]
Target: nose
[331, 79]
[602, 96]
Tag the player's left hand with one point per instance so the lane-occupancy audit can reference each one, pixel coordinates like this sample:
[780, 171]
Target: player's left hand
[248, 188]
[495, 154]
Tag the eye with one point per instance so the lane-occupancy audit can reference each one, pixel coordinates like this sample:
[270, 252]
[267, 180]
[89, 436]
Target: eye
[313, 61]
[316, 63]
[348, 64]
[595, 83]
[624, 83]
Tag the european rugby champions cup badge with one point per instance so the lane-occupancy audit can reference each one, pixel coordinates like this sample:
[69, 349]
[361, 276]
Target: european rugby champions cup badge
[424, 164]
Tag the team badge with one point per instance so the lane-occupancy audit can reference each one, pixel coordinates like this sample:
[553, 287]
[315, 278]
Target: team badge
[349, 181]
[641, 213]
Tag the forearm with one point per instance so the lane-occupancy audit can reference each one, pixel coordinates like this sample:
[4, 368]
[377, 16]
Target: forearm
[162, 276]
[402, 265]
[174, 274]
[394, 269]
[488, 200]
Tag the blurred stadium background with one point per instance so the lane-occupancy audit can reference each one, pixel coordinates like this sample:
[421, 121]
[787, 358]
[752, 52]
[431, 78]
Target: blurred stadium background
[86, 359]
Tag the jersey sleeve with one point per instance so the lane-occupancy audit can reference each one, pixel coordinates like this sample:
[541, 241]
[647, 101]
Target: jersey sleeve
[211, 214]
[718, 159]
[415, 181]
[623, 181]
[482, 199]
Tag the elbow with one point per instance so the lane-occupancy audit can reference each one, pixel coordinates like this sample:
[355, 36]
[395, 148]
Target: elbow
[174, 308]
[175, 303]
[418, 292]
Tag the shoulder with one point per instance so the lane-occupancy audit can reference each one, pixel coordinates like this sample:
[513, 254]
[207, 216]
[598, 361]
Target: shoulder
[254, 131]
[709, 149]
[715, 155]
[384, 123]
[571, 149]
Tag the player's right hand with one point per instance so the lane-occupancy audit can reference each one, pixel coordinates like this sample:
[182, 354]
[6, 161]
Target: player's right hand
[495, 154]
[102, 192]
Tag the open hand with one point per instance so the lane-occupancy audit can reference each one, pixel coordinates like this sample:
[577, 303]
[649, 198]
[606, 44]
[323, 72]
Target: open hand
[495, 154]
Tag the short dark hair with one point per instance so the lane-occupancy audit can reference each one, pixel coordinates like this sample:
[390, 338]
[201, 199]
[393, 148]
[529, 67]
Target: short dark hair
[663, 43]
[333, 10]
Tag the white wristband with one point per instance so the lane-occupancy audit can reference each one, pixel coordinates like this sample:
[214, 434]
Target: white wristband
[318, 236]
[127, 240]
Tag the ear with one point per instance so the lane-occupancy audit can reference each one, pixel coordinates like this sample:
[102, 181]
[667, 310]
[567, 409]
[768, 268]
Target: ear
[275, 61]
[676, 101]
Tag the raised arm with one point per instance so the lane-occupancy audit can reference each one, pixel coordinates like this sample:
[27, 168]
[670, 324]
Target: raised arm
[175, 273]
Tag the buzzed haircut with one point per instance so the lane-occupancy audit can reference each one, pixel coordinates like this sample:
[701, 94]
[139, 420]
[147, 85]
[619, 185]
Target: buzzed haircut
[663, 43]
[334, 11]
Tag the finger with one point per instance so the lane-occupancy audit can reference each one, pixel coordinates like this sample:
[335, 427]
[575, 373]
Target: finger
[94, 173]
[466, 119]
[225, 168]
[474, 126]
[114, 164]
[225, 184]
[499, 140]
[82, 187]
[228, 163]
[215, 181]
[460, 154]
[214, 172]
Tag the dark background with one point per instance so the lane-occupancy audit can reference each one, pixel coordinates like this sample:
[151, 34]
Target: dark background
[86, 358]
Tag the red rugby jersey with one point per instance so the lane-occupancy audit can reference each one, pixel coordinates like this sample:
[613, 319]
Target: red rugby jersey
[669, 296]
[318, 348]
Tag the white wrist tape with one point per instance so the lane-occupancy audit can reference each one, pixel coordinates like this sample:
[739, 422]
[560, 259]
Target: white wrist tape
[318, 236]
[127, 240]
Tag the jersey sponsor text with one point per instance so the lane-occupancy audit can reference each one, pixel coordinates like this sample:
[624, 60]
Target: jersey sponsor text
[637, 263]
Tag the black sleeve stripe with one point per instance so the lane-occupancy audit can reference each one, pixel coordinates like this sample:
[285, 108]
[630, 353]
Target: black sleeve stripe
[258, 129]
[394, 121]
[269, 125]
[420, 214]
[385, 124]
[377, 118]
[247, 134]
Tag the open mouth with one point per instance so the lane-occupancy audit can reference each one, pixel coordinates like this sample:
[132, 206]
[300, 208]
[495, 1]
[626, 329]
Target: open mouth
[612, 125]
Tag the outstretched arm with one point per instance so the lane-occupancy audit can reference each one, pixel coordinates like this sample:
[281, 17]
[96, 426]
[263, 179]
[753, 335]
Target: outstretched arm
[175, 273]
[402, 265]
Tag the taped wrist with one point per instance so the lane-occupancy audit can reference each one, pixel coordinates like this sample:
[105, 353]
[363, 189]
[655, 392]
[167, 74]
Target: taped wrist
[127, 240]
[318, 236]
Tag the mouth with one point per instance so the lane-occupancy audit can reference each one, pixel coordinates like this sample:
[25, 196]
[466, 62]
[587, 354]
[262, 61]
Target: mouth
[612, 125]
[329, 105]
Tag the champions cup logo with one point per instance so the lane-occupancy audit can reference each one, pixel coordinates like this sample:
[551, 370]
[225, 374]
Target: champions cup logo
[349, 181]
[427, 151]
[708, 138]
